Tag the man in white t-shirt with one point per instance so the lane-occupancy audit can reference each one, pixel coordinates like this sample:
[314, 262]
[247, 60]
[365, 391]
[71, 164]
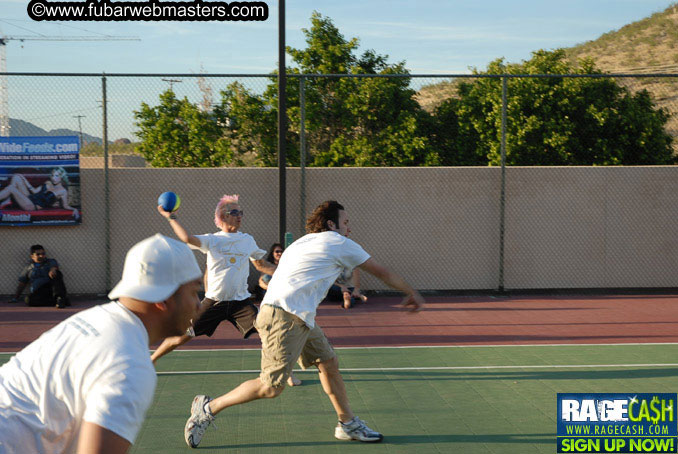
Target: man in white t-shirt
[286, 323]
[85, 385]
[229, 252]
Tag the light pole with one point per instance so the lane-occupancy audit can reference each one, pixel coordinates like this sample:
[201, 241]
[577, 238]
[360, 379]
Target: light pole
[79, 117]
[171, 83]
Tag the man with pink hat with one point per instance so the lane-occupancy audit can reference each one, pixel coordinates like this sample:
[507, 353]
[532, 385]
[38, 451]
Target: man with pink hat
[85, 385]
[229, 252]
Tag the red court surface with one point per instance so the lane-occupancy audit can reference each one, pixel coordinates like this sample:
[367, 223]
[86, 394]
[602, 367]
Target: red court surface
[448, 320]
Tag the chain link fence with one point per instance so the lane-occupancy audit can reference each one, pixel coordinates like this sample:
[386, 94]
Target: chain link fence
[447, 216]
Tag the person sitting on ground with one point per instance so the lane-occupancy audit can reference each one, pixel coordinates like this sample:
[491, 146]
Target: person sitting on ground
[45, 281]
[346, 289]
[274, 254]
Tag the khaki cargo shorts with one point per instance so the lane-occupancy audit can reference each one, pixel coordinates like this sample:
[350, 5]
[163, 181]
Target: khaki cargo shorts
[284, 339]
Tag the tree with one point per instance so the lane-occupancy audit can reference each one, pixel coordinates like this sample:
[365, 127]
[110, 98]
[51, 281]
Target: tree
[349, 121]
[562, 120]
[249, 123]
[376, 121]
[453, 143]
[357, 121]
[176, 133]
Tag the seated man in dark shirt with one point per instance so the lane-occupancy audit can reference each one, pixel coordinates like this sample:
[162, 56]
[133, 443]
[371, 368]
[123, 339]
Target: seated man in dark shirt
[45, 280]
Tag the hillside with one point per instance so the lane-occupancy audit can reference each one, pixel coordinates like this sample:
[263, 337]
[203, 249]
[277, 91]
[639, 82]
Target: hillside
[429, 96]
[647, 46]
[24, 128]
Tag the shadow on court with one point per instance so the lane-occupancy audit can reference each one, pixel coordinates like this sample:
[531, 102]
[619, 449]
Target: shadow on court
[404, 440]
[447, 320]
[485, 375]
[309, 376]
[485, 339]
[430, 308]
[432, 325]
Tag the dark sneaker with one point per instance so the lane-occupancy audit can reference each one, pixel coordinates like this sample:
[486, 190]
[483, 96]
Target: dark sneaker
[60, 303]
[199, 421]
[356, 429]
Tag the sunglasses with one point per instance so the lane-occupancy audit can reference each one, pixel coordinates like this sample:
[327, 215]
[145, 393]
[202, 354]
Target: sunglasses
[236, 212]
[277, 251]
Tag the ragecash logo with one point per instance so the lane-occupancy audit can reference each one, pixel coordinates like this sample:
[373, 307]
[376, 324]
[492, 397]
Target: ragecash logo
[607, 423]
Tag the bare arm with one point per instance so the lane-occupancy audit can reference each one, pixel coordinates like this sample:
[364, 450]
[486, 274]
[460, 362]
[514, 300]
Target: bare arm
[264, 266]
[64, 203]
[393, 280]
[355, 278]
[29, 186]
[262, 283]
[179, 231]
[95, 439]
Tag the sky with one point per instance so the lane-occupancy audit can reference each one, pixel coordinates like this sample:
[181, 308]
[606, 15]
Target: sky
[432, 37]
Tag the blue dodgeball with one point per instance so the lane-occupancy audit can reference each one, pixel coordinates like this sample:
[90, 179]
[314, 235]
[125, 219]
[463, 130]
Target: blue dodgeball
[169, 201]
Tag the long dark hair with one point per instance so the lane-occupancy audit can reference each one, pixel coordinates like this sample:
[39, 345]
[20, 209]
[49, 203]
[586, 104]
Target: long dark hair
[270, 251]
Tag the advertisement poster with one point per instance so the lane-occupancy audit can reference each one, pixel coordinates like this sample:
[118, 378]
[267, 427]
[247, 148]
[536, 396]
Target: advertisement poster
[40, 181]
[635, 422]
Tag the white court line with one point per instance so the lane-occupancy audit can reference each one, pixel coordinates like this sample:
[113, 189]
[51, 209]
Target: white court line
[189, 350]
[186, 350]
[400, 369]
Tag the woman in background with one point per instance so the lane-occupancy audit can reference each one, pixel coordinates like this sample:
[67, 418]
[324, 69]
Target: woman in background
[274, 254]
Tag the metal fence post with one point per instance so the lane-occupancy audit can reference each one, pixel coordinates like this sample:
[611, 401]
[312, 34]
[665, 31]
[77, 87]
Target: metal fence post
[282, 123]
[502, 202]
[107, 211]
[302, 157]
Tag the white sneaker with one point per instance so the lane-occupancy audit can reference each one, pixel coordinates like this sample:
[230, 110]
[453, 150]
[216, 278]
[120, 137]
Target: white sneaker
[356, 429]
[199, 421]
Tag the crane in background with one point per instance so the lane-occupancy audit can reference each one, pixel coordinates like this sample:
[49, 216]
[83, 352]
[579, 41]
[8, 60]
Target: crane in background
[4, 94]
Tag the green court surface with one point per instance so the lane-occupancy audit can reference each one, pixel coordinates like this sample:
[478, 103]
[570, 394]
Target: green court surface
[424, 400]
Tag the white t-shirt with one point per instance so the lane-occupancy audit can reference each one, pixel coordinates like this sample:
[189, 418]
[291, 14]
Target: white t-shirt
[94, 366]
[227, 264]
[307, 270]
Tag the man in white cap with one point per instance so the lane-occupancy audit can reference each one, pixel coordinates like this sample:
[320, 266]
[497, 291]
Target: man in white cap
[85, 385]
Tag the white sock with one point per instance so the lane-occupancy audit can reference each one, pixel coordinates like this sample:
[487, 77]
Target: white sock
[207, 409]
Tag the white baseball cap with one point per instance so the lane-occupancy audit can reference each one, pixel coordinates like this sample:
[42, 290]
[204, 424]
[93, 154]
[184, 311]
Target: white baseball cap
[155, 268]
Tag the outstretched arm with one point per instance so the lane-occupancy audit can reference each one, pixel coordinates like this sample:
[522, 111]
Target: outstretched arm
[264, 266]
[355, 279]
[179, 231]
[413, 300]
[168, 345]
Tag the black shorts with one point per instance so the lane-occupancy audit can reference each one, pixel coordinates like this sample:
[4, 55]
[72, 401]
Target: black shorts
[240, 313]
